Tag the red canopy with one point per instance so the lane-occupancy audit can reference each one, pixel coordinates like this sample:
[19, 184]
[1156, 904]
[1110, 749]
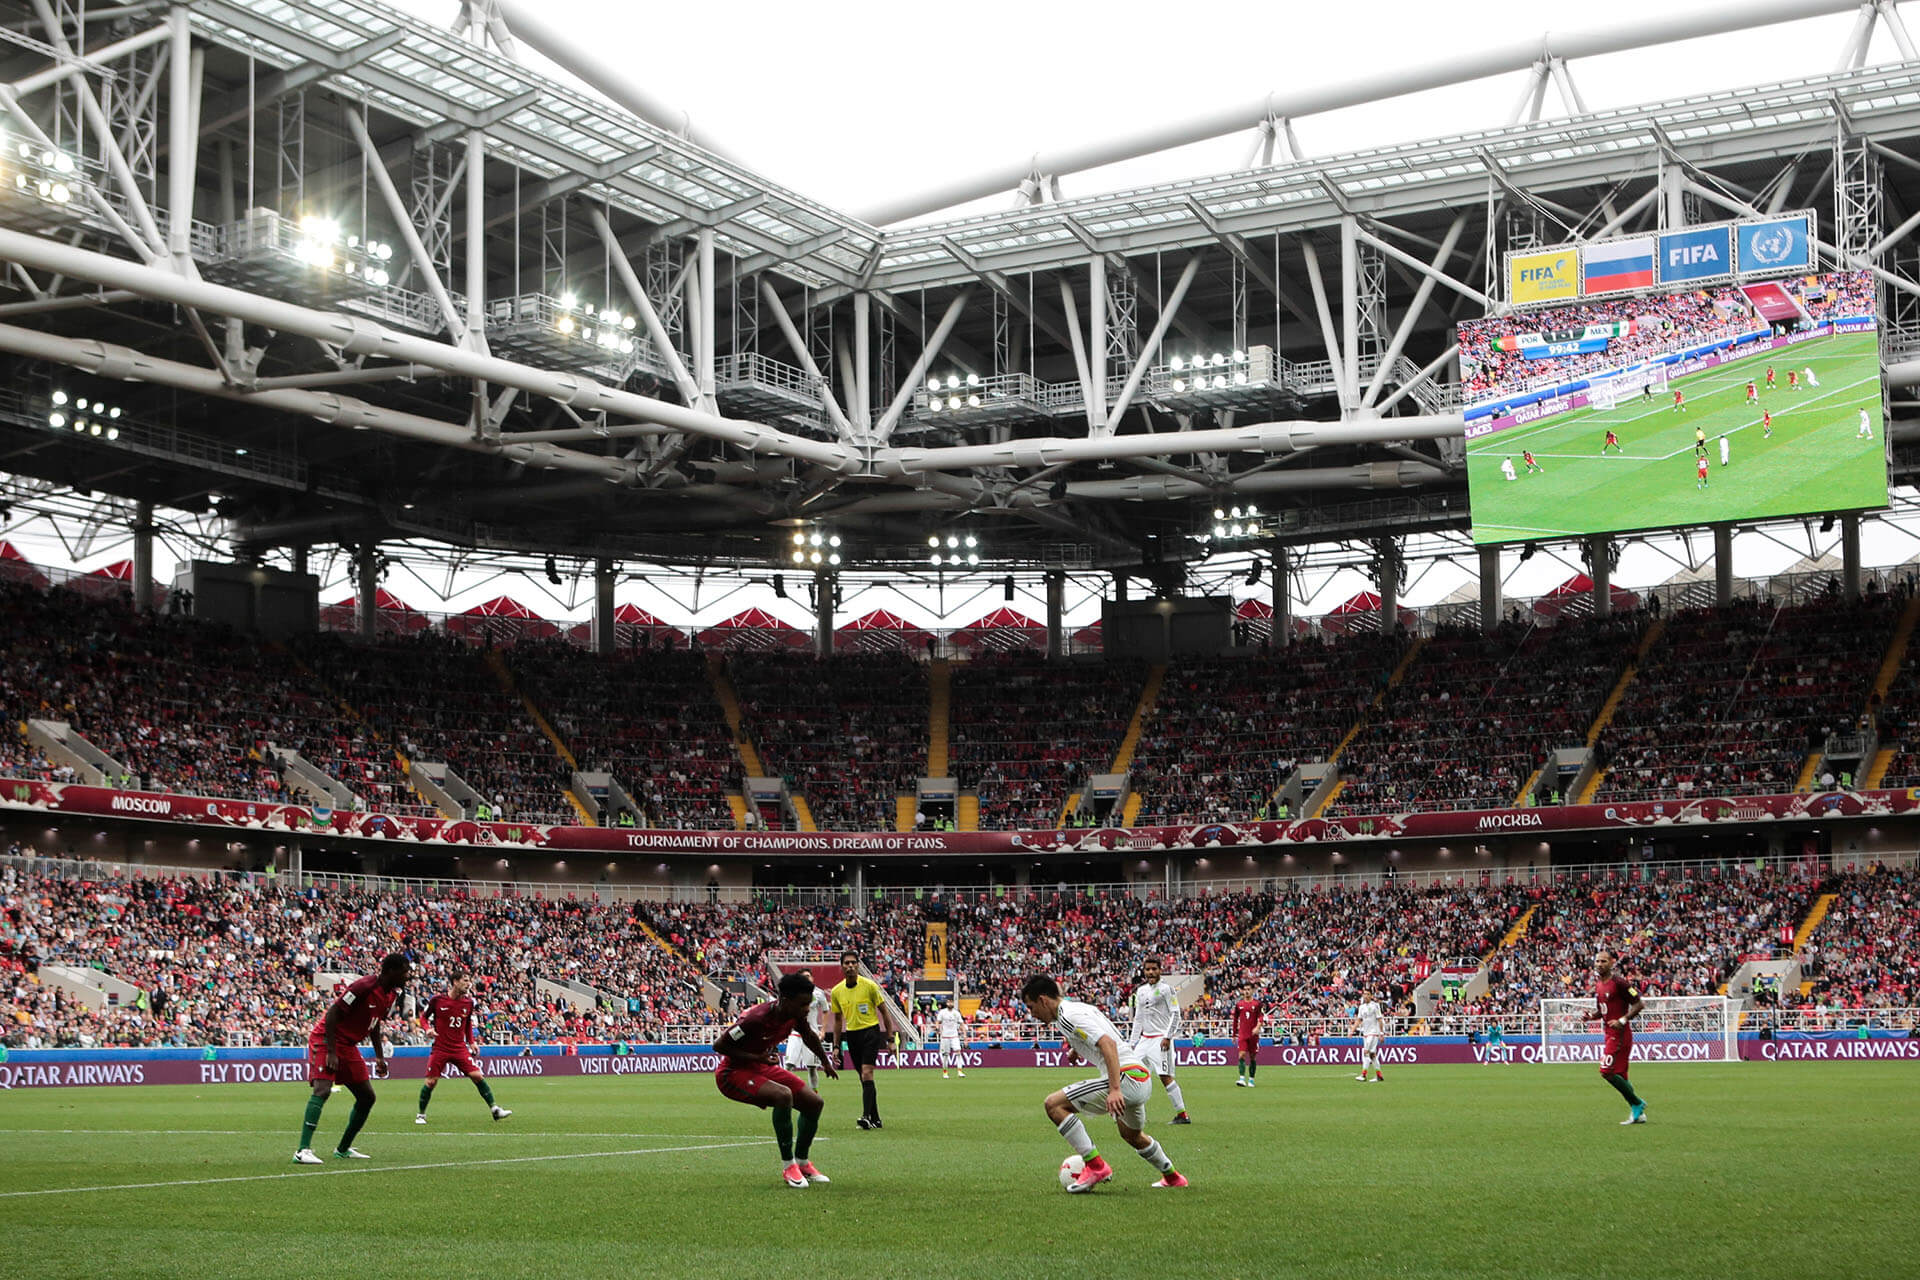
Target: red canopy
[753, 629]
[1002, 629]
[108, 581]
[1253, 621]
[1574, 598]
[503, 620]
[118, 571]
[15, 567]
[390, 613]
[1090, 637]
[1361, 612]
[878, 632]
[631, 625]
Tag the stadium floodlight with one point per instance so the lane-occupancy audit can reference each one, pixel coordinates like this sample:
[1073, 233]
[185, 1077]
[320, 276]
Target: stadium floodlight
[1218, 514]
[113, 433]
[799, 557]
[953, 402]
[953, 380]
[1239, 356]
[59, 397]
[953, 540]
[56, 419]
[799, 537]
[933, 386]
[935, 558]
[565, 326]
[972, 541]
[933, 539]
[973, 379]
[1176, 364]
[80, 424]
[833, 540]
[568, 302]
[1179, 384]
[973, 557]
[815, 557]
[834, 558]
[1219, 358]
[814, 537]
[973, 402]
[61, 162]
[1219, 531]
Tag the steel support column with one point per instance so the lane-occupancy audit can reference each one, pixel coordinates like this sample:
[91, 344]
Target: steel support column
[863, 360]
[1097, 340]
[1722, 565]
[1282, 599]
[1056, 615]
[824, 586]
[1388, 553]
[707, 343]
[366, 576]
[1600, 552]
[1850, 556]
[143, 557]
[1491, 605]
[603, 607]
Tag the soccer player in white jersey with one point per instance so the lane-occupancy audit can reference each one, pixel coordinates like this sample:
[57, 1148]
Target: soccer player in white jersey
[1865, 430]
[1121, 1090]
[1371, 1024]
[799, 1057]
[1156, 1022]
[951, 1027]
[1806, 376]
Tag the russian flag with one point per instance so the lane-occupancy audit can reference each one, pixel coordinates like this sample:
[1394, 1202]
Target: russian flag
[1617, 265]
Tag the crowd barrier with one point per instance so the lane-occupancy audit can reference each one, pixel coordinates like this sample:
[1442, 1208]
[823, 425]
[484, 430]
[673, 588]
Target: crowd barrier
[62, 1068]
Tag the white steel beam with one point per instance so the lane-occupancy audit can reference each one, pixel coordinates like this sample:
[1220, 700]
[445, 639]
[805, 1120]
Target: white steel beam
[794, 340]
[183, 154]
[1489, 60]
[1148, 349]
[636, 294]
[883, 429]
[1412, 316]
[94, 61]
[403, 222]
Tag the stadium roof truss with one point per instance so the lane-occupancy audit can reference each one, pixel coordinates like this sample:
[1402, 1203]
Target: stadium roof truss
[347, 278]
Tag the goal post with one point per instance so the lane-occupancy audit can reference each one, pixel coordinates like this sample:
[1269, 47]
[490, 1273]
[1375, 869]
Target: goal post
[1669, 1029]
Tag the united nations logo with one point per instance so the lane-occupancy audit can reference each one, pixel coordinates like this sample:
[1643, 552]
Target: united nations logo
[1772, 246]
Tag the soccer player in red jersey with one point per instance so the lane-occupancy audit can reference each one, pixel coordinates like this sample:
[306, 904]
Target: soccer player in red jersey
[1700, 471]
[333, 1053]
[454, 1036]
[1616, 1003]
[1753, 396]
[1793, 380]
[750, 1072]
[1247, 1013]
[1533, 463]
[1679, 401]
[1769, 377]
[1612, 442]
[1766, 426]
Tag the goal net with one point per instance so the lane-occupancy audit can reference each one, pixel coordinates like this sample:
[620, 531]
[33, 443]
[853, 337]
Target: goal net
[1669, 1029]
[1628, 386]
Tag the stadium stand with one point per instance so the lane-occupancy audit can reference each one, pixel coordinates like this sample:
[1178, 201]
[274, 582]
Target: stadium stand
[1025, 732]
[850, 732]
[1476, 714]
[1731, 700]
[1866, 952]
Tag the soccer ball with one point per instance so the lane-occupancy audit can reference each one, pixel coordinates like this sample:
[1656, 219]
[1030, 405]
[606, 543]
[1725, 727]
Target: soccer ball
[1070, 1169]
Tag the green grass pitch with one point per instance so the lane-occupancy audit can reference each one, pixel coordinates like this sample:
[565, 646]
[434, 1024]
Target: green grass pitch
[1787, 1169]
[1815, 460]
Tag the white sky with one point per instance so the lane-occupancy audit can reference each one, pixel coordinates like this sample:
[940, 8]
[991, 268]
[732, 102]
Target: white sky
[861, 101]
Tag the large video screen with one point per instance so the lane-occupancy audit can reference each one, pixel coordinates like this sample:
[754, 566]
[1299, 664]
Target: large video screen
[1739, 401]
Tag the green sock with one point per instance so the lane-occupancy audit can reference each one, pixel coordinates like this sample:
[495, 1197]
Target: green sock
[1624, 1088]
[1253, 1067]
[315, 1103]
[486, 1094]
[803, 1141]
[426, 1096]
[361, 1110]
[783, 1132]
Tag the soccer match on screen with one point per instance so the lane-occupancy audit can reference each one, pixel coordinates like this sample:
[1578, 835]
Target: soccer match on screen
[658, 640]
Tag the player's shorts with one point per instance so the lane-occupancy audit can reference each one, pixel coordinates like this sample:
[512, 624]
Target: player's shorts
[1616, 1055]
[1370, 1046]
[799, 1057]
[439, 1058]
[949, 1046]
[1152, 1056]
[1248, 1045]
[1089, 1097]
[864, 1045]
[352, 1067]
[742, 1083]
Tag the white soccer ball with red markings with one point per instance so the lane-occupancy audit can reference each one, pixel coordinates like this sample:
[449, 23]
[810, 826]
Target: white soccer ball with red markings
[1070, 1169]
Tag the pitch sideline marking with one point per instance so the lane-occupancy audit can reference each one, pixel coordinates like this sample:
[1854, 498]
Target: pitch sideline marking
[392, 1168]
[412, 1132]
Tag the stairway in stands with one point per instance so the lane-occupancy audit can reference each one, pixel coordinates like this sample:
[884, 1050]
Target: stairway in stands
[1405, 665]
[939, 718]
[729, 700]
[1129, 743]
[497, 662]
[1612, 704]
[1876, 770]
[1815, 914]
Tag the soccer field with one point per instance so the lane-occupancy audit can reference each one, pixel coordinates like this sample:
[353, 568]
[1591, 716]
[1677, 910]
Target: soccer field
[1794, 1169]
[1815, 460]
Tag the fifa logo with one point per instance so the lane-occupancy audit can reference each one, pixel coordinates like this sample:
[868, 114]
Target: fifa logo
[1543, 274]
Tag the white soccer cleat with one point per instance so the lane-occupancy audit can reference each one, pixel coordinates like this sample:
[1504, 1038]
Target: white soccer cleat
[501, 1113]
[420, 1119]
[305, 1156]
[1362, 1077]
[943, 1075]
[351, 1153]
[963, 1075]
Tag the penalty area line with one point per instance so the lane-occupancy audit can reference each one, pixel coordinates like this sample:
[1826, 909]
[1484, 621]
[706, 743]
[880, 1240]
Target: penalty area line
[393, 1168]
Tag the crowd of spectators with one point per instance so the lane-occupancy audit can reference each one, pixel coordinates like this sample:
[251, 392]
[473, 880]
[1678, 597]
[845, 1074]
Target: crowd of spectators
[1226, 732]
[1866, 952]
[1731, 701]
[649, 717]
[438, 700]
[1026, 733]
[1675, 935]
[244, 960]
[849, 731]
[1475, 715]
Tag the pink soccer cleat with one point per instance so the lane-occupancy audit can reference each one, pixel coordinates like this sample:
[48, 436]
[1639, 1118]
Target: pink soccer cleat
[794, 1177]
[812, 1174]
[1169, 1179]
[1096, 1172]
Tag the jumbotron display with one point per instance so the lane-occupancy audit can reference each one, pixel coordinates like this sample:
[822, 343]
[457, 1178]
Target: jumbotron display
[1737, 401]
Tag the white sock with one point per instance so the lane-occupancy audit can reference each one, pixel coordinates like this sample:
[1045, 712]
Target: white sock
[1154, 1156]
[1173, 1096]
[1077, 1137]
